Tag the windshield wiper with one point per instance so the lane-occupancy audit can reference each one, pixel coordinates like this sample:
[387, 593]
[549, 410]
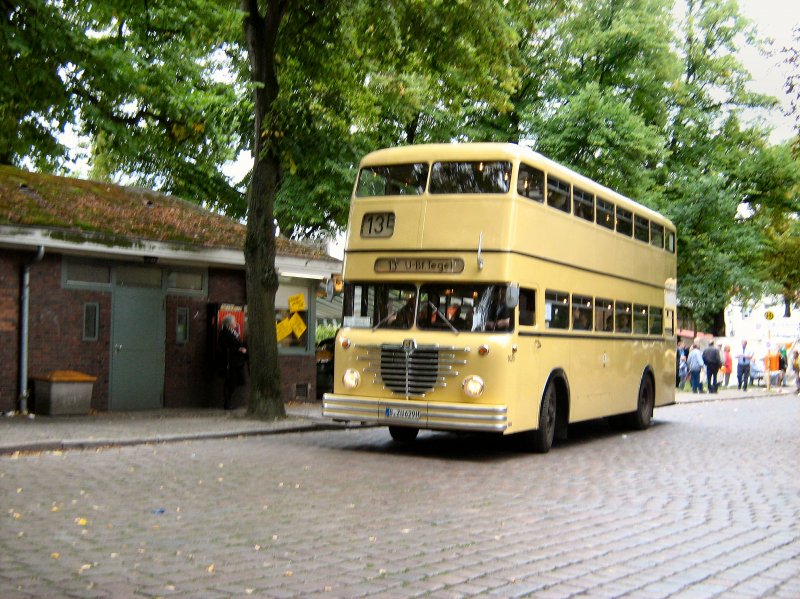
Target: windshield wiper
[388, 316]
[443, 317]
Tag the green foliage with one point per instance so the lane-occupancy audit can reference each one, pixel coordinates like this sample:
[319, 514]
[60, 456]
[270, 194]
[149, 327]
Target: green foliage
[36, 42]
[325, 331]
[773, 198]
[147, 81]
[598, 134]
[613, 88]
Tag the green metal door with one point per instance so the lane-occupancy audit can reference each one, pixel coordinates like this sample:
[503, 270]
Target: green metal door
[137, 350]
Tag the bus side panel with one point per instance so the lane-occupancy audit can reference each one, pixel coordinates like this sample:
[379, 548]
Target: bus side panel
[590, 388]
[523, 406]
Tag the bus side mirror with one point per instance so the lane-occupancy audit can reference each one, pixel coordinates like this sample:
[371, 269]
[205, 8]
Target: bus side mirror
[512, 296]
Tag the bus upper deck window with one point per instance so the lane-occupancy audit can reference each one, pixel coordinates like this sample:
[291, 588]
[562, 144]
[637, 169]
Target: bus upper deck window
[605, 214]
[392, 180]
[470, 177]
[641, 228]
[530, 183]
[558, 194]
[583, 204]
[624, 221]
[656, 235]
[671, 242]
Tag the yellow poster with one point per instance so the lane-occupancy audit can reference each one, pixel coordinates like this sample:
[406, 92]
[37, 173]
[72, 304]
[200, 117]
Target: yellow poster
[297, 303]
[298, 326]
[283, 329]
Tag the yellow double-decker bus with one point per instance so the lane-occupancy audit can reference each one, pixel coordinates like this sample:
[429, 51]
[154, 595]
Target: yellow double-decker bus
[488, 288]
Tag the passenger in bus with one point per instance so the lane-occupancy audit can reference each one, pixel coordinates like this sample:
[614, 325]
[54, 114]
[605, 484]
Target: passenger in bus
[580, 320]
[501, 320]
[426, 315]
[455, 318]
[404, 317]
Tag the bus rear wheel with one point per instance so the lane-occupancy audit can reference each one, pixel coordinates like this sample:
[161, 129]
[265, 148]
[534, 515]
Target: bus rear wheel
[643, 416]
[403, 434]
[541, 439]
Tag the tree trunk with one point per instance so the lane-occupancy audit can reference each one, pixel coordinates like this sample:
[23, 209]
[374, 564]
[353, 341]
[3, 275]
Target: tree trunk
[261, 34]
[718, 325]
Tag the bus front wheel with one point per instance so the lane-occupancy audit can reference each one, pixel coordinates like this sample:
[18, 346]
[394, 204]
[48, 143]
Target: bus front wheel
[403, 434]
[642, 417]
[541, 439]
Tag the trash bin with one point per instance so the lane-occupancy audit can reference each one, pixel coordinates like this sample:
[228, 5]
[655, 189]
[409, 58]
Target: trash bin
[63, 392]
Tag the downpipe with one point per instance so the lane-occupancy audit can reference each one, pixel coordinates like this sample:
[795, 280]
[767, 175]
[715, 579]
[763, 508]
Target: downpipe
[24, 391]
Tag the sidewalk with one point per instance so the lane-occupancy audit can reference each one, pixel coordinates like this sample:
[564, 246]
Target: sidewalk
[104, 429]
[58, 433]
[730, 393]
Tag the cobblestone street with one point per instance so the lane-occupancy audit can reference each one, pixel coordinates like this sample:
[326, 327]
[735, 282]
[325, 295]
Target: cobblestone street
[706, 503]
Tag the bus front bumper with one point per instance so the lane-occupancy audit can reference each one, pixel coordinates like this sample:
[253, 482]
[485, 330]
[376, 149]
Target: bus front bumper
[415, 413]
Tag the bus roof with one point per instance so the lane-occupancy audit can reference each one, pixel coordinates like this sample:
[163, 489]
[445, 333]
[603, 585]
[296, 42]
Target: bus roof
[504, 151]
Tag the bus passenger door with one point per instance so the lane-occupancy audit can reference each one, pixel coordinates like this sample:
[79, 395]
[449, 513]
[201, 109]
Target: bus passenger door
[529, 367]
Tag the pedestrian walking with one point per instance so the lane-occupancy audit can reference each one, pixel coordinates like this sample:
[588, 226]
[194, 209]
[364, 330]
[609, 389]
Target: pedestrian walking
[796, 367]
[695, 363]
[713, 362]
[233, 359]
[743, 361]
[683, 373]
[727, 366]
[680, 355]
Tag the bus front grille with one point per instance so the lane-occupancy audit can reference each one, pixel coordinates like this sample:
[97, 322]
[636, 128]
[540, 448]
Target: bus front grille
[411, 370]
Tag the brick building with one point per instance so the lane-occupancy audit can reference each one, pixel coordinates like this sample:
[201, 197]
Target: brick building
[126, 285]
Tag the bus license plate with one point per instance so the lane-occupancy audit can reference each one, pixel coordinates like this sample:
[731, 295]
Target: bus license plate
[403, 413]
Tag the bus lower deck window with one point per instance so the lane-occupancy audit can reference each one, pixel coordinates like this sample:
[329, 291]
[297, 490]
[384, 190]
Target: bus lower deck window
[556, 310]
[622, 317]
[582, 312]
[604, 315]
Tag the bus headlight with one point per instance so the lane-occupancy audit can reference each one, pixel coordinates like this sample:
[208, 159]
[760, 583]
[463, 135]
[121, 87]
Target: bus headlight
[472, 386]
[351, 378]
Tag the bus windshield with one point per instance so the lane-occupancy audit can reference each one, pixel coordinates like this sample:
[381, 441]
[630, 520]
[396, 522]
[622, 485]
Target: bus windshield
[457, 308]
[471, 308]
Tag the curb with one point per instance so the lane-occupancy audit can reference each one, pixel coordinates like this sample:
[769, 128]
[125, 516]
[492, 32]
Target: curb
[84, 444]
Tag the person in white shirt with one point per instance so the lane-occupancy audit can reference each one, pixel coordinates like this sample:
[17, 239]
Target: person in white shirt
[743, 361]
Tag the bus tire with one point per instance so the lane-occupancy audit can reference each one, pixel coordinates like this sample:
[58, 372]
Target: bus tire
[645, 402]
[541, 439]
[403, 434]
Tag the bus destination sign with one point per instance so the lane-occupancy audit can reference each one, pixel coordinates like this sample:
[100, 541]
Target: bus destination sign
[432, 265]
